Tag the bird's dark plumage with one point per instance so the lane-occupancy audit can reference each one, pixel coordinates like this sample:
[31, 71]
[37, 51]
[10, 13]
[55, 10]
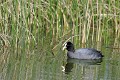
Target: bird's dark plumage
[83, 53]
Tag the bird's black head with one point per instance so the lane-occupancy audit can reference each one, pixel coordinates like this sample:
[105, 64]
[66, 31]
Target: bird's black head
[69, 46]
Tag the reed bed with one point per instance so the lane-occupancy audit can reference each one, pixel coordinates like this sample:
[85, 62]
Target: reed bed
[32, 21]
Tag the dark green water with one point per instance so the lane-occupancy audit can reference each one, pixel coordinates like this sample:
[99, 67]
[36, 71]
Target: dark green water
[43, 63]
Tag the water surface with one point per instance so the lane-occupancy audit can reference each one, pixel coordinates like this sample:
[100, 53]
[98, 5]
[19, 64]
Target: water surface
[44, 62]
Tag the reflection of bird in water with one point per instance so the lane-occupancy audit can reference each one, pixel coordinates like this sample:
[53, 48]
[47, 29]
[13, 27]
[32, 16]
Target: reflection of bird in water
[67, 68]
[70, 64]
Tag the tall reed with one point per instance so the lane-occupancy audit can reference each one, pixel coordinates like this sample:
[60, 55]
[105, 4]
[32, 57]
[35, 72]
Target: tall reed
[29, 22]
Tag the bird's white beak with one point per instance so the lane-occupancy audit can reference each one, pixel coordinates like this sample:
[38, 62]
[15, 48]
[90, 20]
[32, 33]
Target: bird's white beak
[64, 46]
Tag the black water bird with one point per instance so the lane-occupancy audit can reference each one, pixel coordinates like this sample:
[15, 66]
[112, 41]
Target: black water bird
[83, 53]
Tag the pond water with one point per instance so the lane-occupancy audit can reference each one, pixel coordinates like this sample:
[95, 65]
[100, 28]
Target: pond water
[46, 63]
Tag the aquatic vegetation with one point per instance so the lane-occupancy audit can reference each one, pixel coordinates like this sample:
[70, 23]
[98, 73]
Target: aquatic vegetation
[32, 21]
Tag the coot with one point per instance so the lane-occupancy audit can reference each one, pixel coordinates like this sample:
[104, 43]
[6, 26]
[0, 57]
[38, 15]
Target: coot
[83, 53]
